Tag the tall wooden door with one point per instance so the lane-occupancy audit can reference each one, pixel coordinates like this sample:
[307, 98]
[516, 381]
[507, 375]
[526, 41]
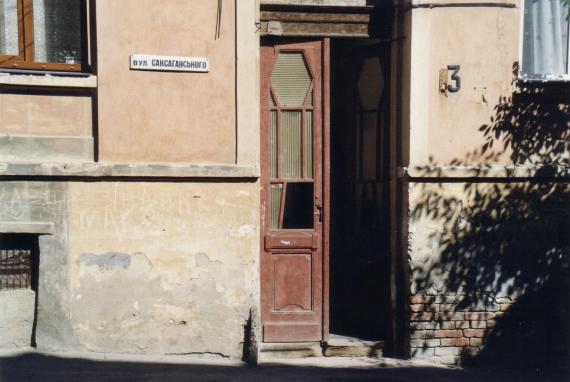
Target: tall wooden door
[293, 229]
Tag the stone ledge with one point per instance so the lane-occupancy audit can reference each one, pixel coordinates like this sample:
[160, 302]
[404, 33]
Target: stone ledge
[515, 171]
[47, 80]
[102, 170]
[27, 227]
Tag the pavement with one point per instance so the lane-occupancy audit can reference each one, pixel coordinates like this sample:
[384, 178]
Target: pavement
[48, 367]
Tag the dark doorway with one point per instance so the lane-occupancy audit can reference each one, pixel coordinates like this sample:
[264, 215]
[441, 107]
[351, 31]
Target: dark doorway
[359, 261]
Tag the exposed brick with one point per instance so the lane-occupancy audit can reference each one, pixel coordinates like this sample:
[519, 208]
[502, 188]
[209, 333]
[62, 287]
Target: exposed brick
[446, 360]
[421, 299]
[423, 352]
[497, 315]
[455, 342]
[491, 324]
[417, 307]
[423, 334]
[447, 351]
[479, 333]
[448, 333]
[492, 308]
[478, 324]
[423, 308]
[475, 341]
[447, 325]
[472, 351]
[505, 307]
[425, 316]
[480, 316]
[447, 308]
[461, 324]
[451, 316]
[503, 300]
[425, 342]
[424, 325]
[453, 298]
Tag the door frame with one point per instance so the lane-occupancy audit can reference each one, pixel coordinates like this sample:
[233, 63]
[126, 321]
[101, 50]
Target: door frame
[325, 168]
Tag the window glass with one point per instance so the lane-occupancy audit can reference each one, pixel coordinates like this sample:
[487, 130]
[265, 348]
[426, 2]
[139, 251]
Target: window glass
[9, 27]
[57, 31]
[545, 44]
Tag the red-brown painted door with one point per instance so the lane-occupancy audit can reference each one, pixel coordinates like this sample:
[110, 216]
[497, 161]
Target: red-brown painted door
[292, 191]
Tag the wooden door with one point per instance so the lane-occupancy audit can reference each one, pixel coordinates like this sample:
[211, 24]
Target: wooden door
[292, 266]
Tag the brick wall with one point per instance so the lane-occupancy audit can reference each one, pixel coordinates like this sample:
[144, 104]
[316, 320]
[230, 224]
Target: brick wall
[446, 328]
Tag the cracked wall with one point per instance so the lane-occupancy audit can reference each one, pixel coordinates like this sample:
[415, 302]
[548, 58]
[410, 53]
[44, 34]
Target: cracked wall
[139, 268]
[163, 268]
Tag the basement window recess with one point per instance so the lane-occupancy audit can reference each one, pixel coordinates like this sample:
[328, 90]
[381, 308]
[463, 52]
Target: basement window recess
[18, 262]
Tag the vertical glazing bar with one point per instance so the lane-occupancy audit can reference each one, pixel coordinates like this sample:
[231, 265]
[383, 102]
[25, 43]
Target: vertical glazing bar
[303, 143]
[309, 144]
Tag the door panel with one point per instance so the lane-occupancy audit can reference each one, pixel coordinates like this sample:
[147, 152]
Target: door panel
[292, 191]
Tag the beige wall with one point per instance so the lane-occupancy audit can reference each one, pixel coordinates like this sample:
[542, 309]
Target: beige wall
[45, 115]
[163, 268]
[159, 116]
[485, 42]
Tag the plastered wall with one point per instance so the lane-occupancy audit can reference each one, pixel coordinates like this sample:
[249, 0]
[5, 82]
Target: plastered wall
[64, 116]
[484, 41]
[138, 268]
[160, 116]
[163, 268]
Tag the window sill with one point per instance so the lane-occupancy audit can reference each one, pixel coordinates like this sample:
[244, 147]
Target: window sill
[127, 170]
[544, 79]
[486, 171]
[46, 79]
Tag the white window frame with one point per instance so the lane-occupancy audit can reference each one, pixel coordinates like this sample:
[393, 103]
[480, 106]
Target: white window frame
[538, 77]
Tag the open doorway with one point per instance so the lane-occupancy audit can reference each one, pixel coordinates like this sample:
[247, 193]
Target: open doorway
[359, 257]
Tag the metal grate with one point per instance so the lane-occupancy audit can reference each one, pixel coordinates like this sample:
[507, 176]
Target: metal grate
[15, 269]
[17, 262]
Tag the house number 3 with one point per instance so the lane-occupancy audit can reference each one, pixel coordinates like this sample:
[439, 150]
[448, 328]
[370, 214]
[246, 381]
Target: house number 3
[454, 77]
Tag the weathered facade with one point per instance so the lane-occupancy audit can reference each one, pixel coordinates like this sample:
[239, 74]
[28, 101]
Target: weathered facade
[428, 207]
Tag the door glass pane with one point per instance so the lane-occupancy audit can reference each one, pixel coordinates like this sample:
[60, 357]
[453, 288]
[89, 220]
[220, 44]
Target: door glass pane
[57, 31]
[9, 27]
[273, 143]
[309, 144]
[298, 212]
[275, 204]
[290, 144]
[291, 79]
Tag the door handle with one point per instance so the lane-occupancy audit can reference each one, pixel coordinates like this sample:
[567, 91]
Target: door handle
[319, 212]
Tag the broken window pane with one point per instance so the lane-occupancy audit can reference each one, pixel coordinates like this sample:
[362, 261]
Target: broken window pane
[9, 28]
[298, 212]
[57, 31]
[275, 205]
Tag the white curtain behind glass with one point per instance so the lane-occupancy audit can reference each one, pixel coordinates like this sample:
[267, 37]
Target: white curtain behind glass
[545, 46]
[9, 27]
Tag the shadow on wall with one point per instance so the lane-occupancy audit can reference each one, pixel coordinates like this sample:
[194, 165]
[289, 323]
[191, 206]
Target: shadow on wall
[503, 272]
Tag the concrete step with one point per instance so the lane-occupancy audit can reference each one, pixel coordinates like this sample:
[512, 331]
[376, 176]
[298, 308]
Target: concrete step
[341, 346]
[270, 351]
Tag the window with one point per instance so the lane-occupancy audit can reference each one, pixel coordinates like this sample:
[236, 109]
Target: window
[18, 261]
[546, 46]
[43, 34]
